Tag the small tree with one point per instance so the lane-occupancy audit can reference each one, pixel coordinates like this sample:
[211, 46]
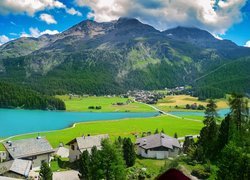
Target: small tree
[188, 143]
[156, 131]
[175, 135]
[128, 152]
[84, 165]
[162, 130]
[45, 172]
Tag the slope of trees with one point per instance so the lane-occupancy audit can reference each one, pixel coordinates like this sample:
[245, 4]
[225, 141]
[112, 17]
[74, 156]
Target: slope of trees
[230, 77]
[13, 96]
[226, 145]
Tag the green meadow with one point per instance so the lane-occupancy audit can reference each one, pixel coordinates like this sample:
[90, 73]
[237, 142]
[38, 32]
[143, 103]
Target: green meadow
[108, 104]
[124, 128]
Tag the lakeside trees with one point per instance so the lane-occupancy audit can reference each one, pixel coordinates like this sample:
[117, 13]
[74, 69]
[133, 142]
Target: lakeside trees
[12, 96]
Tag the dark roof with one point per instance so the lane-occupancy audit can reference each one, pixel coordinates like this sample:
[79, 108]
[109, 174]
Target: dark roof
[158, 140]
[28, 147]
[18, 166]
[86, 142]
[173, 174]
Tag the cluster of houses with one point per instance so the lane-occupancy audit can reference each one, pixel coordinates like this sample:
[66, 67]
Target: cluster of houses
[22, 156]
[145, 96]
[178, 90]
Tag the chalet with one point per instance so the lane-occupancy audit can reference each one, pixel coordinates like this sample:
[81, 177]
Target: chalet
[159, 146]
[36, 150]
[17, 168]
[80, 144]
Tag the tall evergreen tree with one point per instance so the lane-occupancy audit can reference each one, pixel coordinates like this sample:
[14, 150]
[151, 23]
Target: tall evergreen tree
[96, 170]
[84, 165]
[223, 134]
[112, 162]
[128, 152]
[45, 172]
[208, 135]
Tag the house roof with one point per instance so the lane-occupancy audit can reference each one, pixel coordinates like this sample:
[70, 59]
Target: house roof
[158, 140]
[28, 147]
[86, 142]
[18, 166]
[62, 151]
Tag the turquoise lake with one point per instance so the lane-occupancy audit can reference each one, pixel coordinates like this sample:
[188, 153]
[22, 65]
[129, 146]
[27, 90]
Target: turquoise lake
[15, 121]
[221, 113]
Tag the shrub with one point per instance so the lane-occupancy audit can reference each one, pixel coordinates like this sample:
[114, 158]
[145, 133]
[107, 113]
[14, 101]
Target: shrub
[200, 172]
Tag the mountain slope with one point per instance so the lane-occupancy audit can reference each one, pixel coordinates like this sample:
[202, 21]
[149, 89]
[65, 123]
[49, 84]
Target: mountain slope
[113, 57]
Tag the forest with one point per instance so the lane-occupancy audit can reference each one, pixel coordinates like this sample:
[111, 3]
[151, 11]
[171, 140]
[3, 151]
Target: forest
[13, 96]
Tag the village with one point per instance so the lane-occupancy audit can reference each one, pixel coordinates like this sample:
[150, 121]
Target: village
[23, 158]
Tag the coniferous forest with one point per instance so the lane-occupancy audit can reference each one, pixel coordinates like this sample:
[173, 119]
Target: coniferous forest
[12, 96]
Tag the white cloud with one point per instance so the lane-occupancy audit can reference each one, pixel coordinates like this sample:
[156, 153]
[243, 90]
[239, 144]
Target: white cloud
[247, 44]
[72, 11]
[213, 15]
[48, 18]
[35, 32]
[51, 32]
[4, 39]
[30, 7]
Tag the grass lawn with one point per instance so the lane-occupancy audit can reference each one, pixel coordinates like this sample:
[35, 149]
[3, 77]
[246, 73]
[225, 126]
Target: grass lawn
[124, 128]
[169, 103]
[153, 166]
[82, 104]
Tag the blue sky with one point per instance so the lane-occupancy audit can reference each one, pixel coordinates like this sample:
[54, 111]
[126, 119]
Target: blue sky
[229, 19]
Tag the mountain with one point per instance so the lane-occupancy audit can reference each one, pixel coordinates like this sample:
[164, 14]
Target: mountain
[113, 57]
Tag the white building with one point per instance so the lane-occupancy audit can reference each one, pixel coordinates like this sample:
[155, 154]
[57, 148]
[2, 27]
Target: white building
[159, 146]
[80, 144]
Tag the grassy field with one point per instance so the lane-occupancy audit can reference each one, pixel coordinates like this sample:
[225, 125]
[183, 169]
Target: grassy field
[124, 128]
[169, 103]
[108, 104]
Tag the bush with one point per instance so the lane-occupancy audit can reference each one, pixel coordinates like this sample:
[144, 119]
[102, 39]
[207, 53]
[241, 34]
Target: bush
[98, 107]
[200, 172]
[63, 162]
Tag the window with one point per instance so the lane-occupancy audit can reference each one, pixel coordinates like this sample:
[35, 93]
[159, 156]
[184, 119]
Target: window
[146, 151]
[72, 147]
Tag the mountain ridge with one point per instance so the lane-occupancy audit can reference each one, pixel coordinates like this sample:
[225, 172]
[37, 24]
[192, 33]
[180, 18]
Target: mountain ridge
[122, 54]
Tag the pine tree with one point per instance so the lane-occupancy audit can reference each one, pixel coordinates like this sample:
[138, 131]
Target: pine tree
[96, 169]
[223, 134]
[208, 135]
[239, 110]
[156, 131]
[84, 165]
[128, 152]
[112, 162]
[45, 172]
[175, 135]
[188, 144]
